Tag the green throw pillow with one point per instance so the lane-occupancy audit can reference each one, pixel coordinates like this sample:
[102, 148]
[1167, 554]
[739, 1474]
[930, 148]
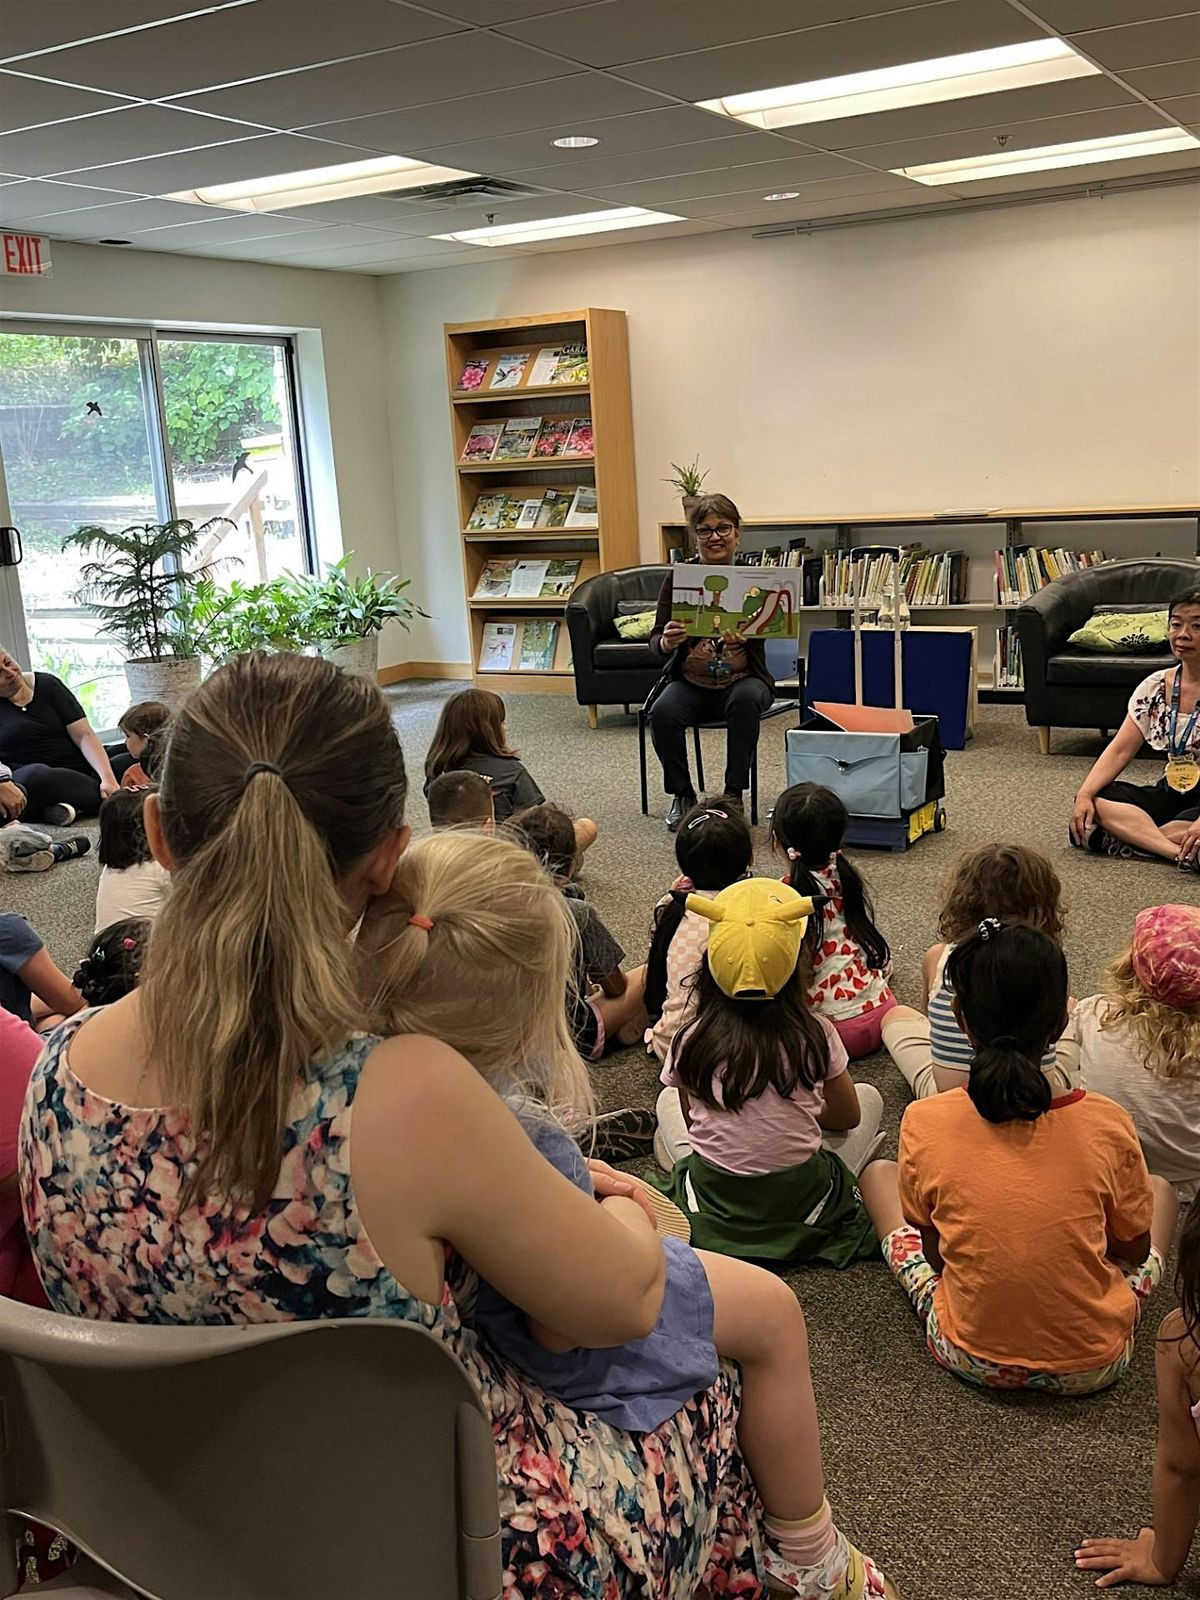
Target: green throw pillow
[639, 626]
[1124, 632]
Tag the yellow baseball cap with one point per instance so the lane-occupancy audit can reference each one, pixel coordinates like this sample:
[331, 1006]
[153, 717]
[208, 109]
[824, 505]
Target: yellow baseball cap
[758, 929]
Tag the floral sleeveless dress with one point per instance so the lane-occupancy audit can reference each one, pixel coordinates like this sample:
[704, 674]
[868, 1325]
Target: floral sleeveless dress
[587, 1510]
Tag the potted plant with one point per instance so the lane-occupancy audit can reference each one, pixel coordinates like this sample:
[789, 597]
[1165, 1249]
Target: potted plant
[689, 480]
[346, 614]
[141, 583]
[251, 616]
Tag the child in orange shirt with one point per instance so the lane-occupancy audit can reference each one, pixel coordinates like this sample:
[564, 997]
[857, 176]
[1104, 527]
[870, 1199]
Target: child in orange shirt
[1024, 1228]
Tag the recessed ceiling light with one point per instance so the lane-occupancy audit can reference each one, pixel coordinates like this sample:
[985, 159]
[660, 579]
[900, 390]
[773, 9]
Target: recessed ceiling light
[783, 194]
[575, 141]
[561, 227]
[1046, 157]
[916, 83]
[320, 184]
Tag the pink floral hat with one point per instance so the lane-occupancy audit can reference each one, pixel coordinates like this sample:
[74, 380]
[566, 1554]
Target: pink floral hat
[1166, 954]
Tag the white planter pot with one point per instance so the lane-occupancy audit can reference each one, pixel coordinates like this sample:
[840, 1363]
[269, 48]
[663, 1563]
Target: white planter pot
[170, 681]
[360, 656]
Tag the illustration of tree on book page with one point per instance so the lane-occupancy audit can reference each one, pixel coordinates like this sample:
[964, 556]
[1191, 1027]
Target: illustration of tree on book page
[755, 602]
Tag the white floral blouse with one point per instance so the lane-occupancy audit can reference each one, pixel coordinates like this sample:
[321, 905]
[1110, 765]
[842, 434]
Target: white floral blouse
[1150, 709]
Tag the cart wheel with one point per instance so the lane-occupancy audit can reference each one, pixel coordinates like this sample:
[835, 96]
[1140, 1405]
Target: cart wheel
[939, 820]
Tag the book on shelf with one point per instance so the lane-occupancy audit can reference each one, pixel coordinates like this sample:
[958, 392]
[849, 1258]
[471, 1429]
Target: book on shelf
[552, 439]
[510, 369]
[538, 637]
[486, 514]
[527, 580]
[556, 504]
[581, 441]
[474, 372]
[545, 364]
[926, 577]
[482, 441]
[791, 555]
[1008, 671]
[584, 512]
[518, 438]
[494, 579]
[1024, 569]
[572, 364]
[561, 577]
[497, 646]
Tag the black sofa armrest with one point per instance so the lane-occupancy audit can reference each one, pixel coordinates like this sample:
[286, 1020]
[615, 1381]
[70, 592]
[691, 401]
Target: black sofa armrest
[1043, 624]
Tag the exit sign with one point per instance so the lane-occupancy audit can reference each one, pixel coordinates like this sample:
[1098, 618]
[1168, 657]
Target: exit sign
[25, 255]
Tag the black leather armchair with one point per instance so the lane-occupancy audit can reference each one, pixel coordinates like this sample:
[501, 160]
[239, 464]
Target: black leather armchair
[609, 670]
[1066, 687]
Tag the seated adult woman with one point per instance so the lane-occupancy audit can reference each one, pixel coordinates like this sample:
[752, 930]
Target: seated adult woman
[53, 768]
[707, 679]
[280, 817]
[1163, 818]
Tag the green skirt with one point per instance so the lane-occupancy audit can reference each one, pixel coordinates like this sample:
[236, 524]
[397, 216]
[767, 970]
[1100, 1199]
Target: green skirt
[813, 1212]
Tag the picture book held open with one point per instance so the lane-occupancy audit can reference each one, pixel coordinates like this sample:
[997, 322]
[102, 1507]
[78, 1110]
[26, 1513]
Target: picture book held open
[755, 602]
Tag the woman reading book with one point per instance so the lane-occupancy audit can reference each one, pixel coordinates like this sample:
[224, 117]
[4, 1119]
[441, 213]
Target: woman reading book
[706, 680]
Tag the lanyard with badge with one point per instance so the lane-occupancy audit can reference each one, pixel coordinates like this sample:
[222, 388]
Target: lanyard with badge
[1182, 772]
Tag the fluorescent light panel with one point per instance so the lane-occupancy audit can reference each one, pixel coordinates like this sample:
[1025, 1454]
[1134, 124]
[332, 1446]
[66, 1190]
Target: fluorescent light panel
[561, 227]
[1046, 157]
[320, 184]
[916, 83]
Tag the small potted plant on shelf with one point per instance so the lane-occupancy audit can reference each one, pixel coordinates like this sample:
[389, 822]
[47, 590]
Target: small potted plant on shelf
[346, 614]
[141, 582]
[689, 480]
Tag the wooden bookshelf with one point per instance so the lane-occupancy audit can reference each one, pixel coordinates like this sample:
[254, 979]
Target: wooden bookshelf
[613, 542]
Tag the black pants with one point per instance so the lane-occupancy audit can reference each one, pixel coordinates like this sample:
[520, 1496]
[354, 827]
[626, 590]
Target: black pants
[682, 705]
[48, 786]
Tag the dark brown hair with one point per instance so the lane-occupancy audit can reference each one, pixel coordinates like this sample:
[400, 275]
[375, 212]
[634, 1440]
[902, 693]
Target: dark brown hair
[709, 504]
[471, 724]
[122, 830]
[1008, 881]
[283, 774]
[1189, 597]
[459, 798]
[144, 718]
[549, 833]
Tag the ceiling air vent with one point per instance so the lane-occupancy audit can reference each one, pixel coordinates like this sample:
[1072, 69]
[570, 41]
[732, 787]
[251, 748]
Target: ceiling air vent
[459, 189]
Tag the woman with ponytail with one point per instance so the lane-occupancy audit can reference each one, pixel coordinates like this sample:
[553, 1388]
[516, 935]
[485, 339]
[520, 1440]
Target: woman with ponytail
[1024, 1227]
[851, 958]
[280, 1164]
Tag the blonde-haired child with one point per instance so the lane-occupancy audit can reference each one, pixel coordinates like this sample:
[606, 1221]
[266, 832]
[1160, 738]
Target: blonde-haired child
[1013, 884]
[1139, 1040]
[476, 915]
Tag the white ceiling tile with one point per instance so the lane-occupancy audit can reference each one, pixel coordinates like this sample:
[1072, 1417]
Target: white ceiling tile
[117, 220]
[252, 249]
[978, 111]
[1157, 83]
[260, 156]
[30, 200]
[27, 102]
[1021, 136]
[116, 135]
[244, 42]
[1148, 44]
[785, 212]
[452, 218]
[641, 130]
[912, 35]
[367, 210]
[488, 13]
[209, 229]
[1077, 16]
[1184, 108]
[30, 25]
[764, 176]
[867, 183]
[488, 115]
[616, 32]
[382, 250]
[413, 75]
[603, 171]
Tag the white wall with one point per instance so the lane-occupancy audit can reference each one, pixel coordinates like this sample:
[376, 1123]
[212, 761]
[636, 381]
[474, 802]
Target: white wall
[341, 355]
[1044, 355]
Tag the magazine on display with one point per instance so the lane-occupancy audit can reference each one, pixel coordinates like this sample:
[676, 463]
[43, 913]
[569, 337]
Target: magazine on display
[556, 503]
[572, 364]
[482, 441]
[528, 514]
[581, 441]
[494, 580]
[474, 372]
[518, 438]
[538, 639]
[583, 512]
[552, 440]
[561, 577]
[545, 364]
[497, 646]
[486, 514]
[527, 580]
[510, 369]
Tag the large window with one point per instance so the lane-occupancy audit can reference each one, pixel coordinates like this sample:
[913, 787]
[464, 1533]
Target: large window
[116, 429]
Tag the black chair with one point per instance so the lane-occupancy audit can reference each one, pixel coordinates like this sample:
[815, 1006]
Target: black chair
[1066, 687]
[609, 670]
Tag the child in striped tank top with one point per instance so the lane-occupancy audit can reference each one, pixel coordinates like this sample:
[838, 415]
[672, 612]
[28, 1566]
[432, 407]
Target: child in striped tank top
[1012, 883]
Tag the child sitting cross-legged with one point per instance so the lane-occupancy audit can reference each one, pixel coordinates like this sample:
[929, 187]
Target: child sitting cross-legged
[1024, 1228]
[758, 1091]
[1014, 884]
[473, 915]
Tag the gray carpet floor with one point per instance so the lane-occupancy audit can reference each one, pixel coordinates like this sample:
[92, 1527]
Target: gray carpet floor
[961, 1495]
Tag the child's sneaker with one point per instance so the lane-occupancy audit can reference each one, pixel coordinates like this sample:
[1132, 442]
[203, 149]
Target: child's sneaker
[845, 1574]
[59, 816]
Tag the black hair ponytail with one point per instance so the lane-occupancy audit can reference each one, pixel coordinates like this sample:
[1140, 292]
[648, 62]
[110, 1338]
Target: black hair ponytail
[1010, 986]
[714, 848]
[809, 822]
[110, 968]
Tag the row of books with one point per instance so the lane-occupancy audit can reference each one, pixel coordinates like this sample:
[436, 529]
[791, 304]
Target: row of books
[1008, 672]
[529, 439]
[520, 369]
[498, 512]
[926, 578]
[530, 644]
[526, 579]
[1023, 570]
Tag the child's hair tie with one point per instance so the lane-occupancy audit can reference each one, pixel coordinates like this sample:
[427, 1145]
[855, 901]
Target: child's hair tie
[128, 944]
[989, 926]
[793, 855]
[415, 921]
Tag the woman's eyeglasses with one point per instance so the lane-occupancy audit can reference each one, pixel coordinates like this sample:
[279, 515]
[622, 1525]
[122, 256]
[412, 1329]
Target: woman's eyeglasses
[721, 531]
